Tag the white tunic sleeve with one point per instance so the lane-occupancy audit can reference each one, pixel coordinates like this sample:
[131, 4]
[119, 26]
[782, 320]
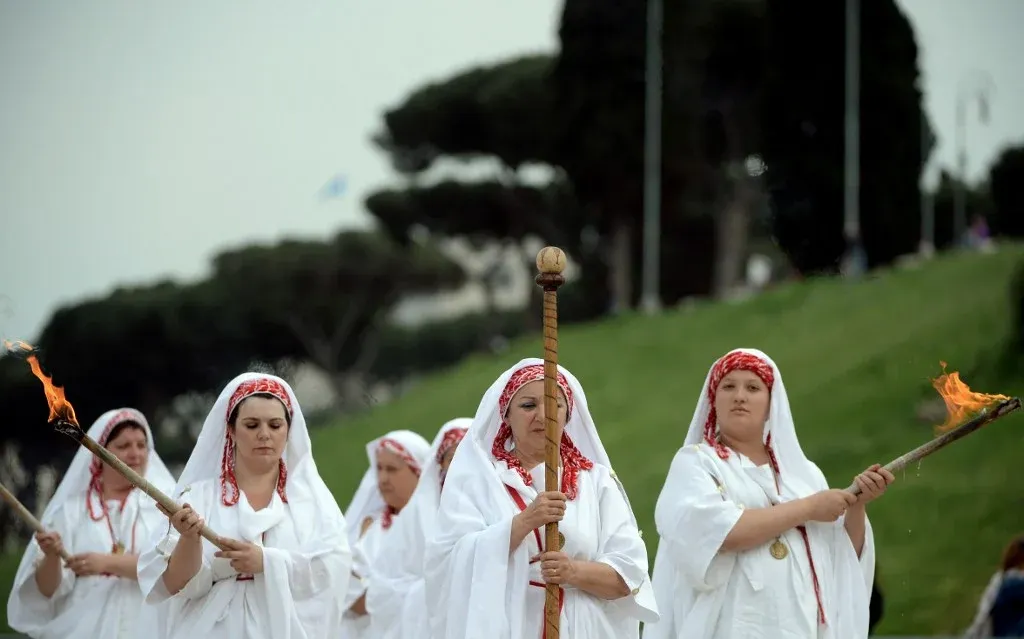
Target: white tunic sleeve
[307, 573]
[694, 516]
[622, 548]
[27, 609]
[153, 560]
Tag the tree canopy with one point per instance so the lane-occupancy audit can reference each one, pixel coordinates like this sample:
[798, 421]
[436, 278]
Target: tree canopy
[741, 79]
[1004, 184]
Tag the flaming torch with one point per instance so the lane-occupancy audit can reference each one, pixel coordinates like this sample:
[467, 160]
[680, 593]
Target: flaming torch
[961, 403]
[62, 416]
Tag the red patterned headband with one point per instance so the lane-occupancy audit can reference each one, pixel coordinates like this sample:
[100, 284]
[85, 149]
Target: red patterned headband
[524, 376]
[258, 386]
[120, 417]
[734, 361]
[449, 441]
[393, 446]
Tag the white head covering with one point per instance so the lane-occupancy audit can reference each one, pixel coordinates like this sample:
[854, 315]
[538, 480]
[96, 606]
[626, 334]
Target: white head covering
[797, 471]
[423, 505]
[306, 491]
[367, 500]
[400, 566]
[844, 597]
[580, 427]
[75, 486]
[76, 480]
[473, 471]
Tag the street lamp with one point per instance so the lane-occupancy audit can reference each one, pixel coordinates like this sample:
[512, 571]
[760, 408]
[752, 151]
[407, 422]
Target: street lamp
[650, 298]
[853, 261]
[978, 87]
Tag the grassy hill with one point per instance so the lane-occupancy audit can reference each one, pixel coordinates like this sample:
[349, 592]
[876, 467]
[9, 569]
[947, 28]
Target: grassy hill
[856, 358]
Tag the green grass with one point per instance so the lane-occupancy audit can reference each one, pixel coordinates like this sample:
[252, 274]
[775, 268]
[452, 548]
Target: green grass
[856, 359]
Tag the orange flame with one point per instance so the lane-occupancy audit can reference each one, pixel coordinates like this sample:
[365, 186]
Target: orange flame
[961, 402]
[60, 408]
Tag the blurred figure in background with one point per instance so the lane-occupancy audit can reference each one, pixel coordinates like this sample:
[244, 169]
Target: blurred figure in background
[98, 517]
[1001, 608]
[395, 600]
[396, 463]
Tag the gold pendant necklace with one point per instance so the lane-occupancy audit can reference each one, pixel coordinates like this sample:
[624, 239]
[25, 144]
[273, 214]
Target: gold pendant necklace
[778, 549]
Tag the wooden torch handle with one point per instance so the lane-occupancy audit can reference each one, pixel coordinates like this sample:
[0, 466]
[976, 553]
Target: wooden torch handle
[984, 418]
[550, 264]
[140, 482]
[27, 516]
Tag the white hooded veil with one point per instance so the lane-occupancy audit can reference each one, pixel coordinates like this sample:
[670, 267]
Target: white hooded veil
[29, 612]
[367, 500]
[844, 595]
[475, 486]
[298, 579]
[395, 599]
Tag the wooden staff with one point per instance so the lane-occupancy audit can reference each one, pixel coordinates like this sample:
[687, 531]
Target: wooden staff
[551, 263]
[987, 416]
[27, 516]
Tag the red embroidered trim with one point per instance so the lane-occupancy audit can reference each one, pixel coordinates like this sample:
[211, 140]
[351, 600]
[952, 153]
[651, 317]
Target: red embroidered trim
[256, 386]
[393, 446]
[229, 492]
[736, 360]
[524, 376]
[450, 440]
[126, 415]
[773, 461]
[96, 467]
[573, 460]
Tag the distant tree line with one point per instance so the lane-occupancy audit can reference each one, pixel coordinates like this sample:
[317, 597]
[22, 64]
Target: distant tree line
[752, 152]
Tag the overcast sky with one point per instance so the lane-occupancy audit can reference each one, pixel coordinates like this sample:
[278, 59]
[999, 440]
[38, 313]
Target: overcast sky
[136, 141]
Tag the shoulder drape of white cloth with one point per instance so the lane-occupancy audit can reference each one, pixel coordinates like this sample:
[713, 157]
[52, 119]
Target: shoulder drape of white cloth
[476, 588]
[368, 503]
[703, 498]
[395, 599]
[90, 606]
[306, 556]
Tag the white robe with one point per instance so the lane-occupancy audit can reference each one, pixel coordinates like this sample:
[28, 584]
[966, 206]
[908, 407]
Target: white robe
[95, 606]
[305, 566]
[470, 552]
[395, 598]
[705, 593]
[364, 553]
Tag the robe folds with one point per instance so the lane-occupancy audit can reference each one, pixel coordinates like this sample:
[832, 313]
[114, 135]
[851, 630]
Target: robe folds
[705, 593]
[306, 563]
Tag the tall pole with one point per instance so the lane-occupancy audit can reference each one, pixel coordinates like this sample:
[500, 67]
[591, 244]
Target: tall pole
[959, 196]
[979, 90]
[650, 299]
[851, 200]
[927, 247]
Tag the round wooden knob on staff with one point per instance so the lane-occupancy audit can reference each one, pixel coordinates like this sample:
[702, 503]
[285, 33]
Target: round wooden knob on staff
[550, 264]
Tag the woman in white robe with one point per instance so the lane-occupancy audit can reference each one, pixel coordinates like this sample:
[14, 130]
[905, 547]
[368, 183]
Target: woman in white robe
[252, 475]
[754, 544]
[395, 600]
[102, 521]
[396, 462]
[486, 567]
